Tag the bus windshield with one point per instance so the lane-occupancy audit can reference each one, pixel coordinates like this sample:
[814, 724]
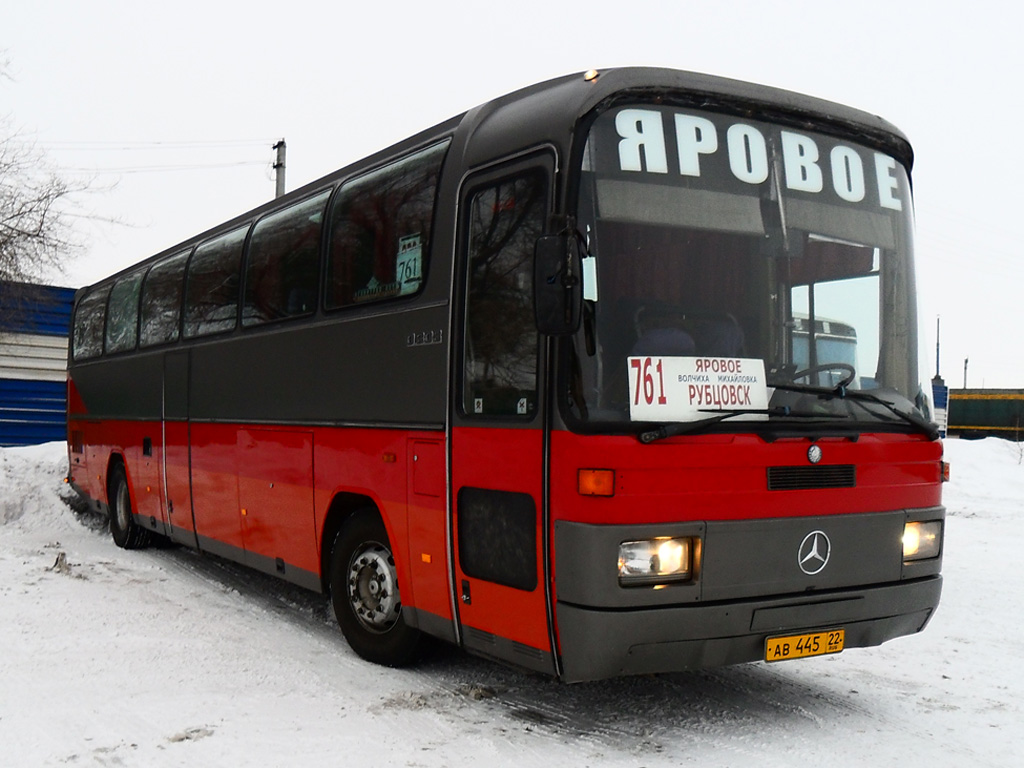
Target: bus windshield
[781, 255]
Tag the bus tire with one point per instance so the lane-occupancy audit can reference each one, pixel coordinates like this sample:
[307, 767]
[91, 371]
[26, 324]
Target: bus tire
[364, 593]
[125, 532]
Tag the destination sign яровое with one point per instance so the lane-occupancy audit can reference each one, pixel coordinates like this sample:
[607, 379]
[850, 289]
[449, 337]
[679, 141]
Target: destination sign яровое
[656, 141]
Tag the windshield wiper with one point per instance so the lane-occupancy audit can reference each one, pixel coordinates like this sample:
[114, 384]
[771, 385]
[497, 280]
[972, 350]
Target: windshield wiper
[929, 428]
[840, 391]
[688, 427]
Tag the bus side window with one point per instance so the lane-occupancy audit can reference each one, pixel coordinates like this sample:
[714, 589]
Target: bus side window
[90, 318]
[211, 289]
[500, 373]
[161, 301]
[283, 264]
[123, 314]
[380, 231]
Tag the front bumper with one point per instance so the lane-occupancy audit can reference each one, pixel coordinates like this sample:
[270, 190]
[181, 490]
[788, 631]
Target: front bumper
[597, 644]
[748, 586]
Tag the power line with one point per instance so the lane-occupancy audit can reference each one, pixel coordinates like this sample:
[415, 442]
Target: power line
[162, 168]
[131, 146]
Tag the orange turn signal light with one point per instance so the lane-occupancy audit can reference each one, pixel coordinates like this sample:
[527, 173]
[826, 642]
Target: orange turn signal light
[596, 482]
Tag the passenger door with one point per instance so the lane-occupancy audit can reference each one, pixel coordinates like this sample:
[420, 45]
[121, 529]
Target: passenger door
[497, 443]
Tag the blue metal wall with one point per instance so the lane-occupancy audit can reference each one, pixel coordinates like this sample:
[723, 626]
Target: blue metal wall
[33, 394]
[32, 412]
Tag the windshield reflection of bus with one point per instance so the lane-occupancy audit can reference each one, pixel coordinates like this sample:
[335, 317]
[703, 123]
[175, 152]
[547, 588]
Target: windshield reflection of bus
[834, 342]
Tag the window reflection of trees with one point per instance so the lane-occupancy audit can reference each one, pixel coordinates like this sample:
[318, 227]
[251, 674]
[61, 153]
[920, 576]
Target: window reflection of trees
[161, 301]
[370, 217]
[505, 222]
[123, 313]
[90, 317]
[283, 265]
[211, 294]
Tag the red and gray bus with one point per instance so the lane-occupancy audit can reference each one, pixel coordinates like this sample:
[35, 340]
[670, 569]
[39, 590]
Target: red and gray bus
[526, 382]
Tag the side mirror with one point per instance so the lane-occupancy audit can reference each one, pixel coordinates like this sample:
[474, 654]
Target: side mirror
[557, 287]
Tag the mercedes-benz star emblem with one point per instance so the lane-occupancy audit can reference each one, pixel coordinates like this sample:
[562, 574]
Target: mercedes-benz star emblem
[814, 454]
[814, 552]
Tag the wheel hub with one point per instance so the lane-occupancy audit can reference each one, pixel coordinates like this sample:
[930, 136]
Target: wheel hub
[373, 588]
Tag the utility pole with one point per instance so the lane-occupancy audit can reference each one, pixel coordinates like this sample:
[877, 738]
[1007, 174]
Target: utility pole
[279, 167]
[965, 372]
[940, 392]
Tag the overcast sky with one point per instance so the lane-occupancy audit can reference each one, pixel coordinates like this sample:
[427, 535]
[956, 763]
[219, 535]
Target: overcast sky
[171, 109]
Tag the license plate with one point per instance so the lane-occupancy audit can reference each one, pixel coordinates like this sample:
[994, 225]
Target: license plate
[802, 646]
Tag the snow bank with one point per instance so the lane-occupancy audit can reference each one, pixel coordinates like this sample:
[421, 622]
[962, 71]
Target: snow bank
[166, 658]
[986, 478]
[31, 478]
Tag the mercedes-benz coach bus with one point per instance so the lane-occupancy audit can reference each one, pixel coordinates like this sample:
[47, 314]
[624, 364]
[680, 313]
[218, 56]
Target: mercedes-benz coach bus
[526, 382]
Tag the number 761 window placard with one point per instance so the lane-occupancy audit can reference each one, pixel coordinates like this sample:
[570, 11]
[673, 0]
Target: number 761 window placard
[692, 388]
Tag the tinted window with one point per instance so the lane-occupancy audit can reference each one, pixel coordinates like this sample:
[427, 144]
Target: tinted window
[380, 231]
[505, 221]
[211, 292]
[283, 265]
[90, 315]
[123, 314]
[161, 301]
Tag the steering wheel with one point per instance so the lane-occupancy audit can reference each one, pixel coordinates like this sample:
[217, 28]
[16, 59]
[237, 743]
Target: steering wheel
[851, 372]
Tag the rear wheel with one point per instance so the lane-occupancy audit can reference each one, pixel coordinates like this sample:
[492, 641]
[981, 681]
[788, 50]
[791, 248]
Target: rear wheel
[365, 595]
[123, 528]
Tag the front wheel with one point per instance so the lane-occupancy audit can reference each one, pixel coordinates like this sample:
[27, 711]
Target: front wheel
[365, 595]
[126, 533]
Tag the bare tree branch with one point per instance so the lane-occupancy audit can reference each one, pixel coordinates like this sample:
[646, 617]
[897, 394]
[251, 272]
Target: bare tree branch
[36, 235]
[37, 207]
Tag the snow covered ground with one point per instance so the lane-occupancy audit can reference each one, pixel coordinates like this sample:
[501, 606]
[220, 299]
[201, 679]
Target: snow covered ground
[166, 658]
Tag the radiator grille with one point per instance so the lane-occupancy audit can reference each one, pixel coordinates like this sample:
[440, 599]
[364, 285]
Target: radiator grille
[806, 478]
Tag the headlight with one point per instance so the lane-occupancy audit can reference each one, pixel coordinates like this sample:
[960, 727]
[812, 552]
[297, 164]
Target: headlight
[922, 541]
[655, 561]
